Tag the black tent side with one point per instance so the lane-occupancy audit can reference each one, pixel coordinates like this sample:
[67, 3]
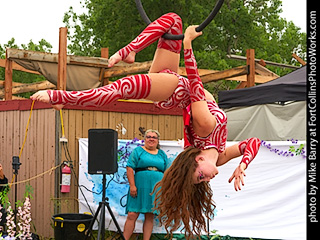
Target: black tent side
[291, 87]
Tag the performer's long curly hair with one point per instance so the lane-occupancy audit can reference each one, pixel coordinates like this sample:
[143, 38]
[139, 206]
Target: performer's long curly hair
[179, 201]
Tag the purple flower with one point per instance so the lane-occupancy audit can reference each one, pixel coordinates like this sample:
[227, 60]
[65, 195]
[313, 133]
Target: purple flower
[290, 153]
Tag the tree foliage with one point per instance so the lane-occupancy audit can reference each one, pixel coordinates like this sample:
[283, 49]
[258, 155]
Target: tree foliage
[19, 76]
[240, 25]
[23, 77]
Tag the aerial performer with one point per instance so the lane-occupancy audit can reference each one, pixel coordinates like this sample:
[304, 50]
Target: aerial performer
[183, 196]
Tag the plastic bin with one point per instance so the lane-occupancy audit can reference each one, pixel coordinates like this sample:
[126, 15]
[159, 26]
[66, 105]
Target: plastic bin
[71, 226]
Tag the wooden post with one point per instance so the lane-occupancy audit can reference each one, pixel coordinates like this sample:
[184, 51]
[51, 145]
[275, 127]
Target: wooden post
[8, 79]
[300, 60]
[104, 54]
[62, 59]
[251, 68]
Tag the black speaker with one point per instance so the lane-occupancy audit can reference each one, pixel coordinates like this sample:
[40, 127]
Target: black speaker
[103, 149]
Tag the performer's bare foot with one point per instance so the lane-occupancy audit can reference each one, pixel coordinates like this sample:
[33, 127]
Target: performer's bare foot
[43, 96]
[115, 58]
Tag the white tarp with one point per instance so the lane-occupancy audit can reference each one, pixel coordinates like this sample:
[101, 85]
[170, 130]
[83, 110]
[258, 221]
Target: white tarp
[281, 121]
[271, 205]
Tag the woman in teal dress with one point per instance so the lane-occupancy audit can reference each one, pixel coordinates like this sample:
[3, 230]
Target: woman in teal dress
[145, 168]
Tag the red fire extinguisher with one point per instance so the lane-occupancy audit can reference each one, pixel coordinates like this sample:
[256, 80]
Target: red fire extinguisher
[66, 178]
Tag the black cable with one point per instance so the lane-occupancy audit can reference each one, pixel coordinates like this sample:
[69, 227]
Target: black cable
[123, 205]
[97, 193]
[68, 157]
[74, 173]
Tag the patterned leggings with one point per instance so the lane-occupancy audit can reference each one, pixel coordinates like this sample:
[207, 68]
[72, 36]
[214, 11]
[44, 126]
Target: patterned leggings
[132, 87]
[139, 86]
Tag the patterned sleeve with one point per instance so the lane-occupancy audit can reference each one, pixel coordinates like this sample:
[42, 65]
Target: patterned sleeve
[191, 65]
[249, 149]
[196, 86]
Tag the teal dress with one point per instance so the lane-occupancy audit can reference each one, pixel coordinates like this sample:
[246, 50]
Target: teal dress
[145, 180]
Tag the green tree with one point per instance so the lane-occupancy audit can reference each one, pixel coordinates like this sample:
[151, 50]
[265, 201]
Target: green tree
[240, 25]
[24, 77]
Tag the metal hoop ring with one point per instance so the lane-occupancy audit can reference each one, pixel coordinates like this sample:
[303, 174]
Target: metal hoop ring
[181, 36]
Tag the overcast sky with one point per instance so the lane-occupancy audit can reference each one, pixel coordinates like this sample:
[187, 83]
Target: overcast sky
[37, 19]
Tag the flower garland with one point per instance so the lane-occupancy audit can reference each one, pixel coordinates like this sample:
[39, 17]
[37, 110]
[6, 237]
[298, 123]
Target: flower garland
[125, 151]
[123, 155]
[292, 151]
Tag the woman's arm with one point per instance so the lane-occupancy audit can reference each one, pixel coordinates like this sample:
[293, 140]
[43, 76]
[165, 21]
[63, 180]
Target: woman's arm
[131, 165]
[228, 154]
[249, 149]
[132, 184]
[202, 120]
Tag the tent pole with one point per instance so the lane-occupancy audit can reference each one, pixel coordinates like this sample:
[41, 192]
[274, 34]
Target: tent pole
[62, 59]
[8, 79]
[251, 68]
[104, 54]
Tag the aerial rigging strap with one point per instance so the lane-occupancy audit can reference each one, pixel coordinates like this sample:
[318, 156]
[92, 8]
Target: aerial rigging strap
[181, 36]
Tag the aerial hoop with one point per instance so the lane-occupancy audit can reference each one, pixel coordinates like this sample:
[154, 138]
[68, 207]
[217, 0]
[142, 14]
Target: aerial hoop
[181, 36]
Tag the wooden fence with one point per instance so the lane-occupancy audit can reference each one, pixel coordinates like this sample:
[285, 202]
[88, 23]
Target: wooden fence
[43, 153]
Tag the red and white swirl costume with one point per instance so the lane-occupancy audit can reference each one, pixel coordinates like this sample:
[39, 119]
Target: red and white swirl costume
[218, 137]
[138, 87]
[132, 87]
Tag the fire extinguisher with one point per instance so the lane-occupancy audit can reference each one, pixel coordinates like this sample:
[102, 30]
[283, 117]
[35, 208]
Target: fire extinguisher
[66, 178]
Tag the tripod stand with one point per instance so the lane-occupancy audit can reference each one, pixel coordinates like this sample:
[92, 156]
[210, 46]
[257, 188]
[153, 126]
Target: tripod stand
[104, 203]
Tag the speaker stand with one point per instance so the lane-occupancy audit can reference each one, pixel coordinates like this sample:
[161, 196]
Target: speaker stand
[102, 206]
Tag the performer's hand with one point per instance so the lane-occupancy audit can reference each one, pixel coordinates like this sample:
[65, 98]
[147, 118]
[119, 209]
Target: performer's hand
[133, 191]
[191, 33]
[41, 96]
[238, 175]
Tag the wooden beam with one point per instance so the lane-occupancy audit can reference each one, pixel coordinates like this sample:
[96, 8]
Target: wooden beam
[128, 69]
[13, 84]
[32, 55]
[252, 69]
[31, 87]
[182, 71]
[104, 54]
[62, 59]
[263, 71]
[121, 68]
[8, 79]
[89, 61]
[262, 63]
[258, 78]
[233, 72]
[299, 59]
[242, 85]
[16, 66]
[265, 74]
[237, 57]
[53, 58]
